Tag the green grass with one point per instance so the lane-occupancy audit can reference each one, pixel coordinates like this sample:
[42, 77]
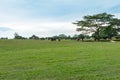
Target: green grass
[66, 60]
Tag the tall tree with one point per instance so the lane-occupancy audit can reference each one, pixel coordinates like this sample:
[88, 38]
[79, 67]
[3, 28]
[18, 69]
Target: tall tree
[100, 22]
[17, 36]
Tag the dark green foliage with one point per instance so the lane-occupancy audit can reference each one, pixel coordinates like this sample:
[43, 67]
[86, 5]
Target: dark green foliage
[62, 36]
[34, 37]
[17, 36]
[102, 25]
[110, 32]
[81, 36]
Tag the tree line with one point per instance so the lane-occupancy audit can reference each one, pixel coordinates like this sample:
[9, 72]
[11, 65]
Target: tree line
[56, 37]
[61, 36]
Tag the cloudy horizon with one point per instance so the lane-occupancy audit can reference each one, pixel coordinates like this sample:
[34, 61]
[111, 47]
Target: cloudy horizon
[48, 18]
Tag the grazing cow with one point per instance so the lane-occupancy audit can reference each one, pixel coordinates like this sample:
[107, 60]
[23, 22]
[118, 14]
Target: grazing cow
[59, 39]
[78, 39]
[53, 39]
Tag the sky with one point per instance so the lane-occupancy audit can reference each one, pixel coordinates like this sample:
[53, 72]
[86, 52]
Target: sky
[49, 17]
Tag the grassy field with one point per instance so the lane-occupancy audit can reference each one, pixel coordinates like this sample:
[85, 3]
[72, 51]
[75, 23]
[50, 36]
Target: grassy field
[66, 60]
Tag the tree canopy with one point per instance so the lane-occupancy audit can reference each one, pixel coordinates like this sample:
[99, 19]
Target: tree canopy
[101, 25]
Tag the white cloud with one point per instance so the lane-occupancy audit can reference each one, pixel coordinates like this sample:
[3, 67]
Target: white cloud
[27, 16]
[41, 29]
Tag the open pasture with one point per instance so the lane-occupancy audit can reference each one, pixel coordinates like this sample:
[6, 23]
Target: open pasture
[65, 60]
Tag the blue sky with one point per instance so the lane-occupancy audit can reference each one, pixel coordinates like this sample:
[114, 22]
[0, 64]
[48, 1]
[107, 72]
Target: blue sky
[49, 17]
